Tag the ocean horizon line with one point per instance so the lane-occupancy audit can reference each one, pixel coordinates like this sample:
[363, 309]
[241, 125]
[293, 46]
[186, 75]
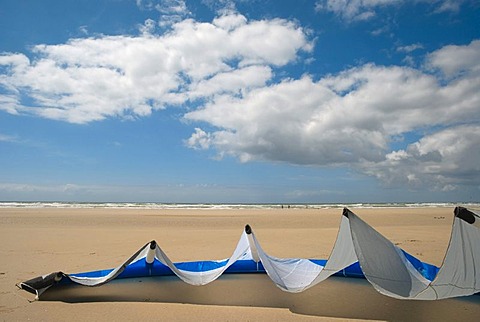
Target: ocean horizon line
[213, 206]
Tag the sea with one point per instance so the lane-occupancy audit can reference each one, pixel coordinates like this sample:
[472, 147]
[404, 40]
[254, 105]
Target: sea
[213, 206]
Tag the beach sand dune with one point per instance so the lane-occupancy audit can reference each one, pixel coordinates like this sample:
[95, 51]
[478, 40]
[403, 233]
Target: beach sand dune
[40, 241]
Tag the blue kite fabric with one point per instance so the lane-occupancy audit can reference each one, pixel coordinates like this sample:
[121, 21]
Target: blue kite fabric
[359, 251]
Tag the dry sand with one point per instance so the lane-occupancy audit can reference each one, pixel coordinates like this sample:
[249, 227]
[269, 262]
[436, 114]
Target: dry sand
[39, 241]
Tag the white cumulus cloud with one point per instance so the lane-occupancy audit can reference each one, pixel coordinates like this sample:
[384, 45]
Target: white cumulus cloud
[354, 117]
[90, 79]
[442, 161]
[453, 60]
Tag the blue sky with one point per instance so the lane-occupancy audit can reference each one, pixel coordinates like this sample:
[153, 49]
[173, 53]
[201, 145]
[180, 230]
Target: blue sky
[240, 101]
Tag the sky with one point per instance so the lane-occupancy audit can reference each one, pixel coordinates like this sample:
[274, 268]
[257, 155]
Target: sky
[248, 101]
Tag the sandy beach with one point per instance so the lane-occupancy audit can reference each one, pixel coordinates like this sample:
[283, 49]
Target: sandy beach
[39, 241]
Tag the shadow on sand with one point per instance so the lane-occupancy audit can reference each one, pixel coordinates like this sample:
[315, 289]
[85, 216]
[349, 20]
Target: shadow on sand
[336, 297]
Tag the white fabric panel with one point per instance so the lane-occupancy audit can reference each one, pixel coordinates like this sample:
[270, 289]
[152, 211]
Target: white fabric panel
[387, 269]
[343, 253]
[96, 281]
[203, 278]
[195, 278]
[296, 275]
[289, 274]
[383, 263]
[460, 272]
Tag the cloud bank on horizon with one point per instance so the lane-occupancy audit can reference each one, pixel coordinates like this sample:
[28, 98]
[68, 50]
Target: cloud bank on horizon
[229, 78]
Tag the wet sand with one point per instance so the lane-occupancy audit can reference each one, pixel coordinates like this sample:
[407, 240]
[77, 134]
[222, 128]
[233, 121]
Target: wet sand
[39, 241]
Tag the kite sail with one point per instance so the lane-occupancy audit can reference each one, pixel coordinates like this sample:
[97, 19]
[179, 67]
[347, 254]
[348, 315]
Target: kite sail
[359, 251]
[395, 273]
[296, 275]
